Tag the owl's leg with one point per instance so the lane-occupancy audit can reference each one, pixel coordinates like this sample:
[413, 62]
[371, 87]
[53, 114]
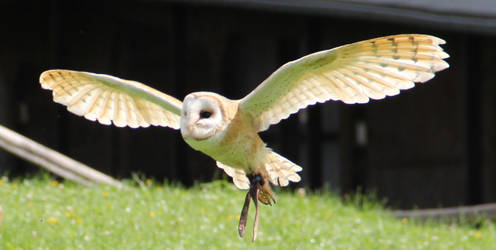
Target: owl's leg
[255, 197]
[265, 196]
[244, 215]
[259, 190]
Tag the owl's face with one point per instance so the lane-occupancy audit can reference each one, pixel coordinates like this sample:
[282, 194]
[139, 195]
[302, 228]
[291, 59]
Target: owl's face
[202, 116]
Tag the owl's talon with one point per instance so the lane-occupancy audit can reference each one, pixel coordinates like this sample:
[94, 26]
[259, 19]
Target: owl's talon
[265, 192]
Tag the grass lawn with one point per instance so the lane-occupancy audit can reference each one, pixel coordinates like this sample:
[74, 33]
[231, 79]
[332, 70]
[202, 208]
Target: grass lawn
[41, 213]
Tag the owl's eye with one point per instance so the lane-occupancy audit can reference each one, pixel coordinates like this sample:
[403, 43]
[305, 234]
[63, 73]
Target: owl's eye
[205, 114]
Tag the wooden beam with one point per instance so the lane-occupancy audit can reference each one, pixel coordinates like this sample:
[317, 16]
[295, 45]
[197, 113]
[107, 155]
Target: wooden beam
[450, 213]
[52, 160]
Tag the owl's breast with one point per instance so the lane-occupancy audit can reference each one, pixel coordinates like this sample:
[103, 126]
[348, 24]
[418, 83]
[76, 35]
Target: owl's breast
[237, 146]
[211, 146]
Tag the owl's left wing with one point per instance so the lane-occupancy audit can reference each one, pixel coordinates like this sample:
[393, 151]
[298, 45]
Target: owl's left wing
[351, 73]
[110, 99]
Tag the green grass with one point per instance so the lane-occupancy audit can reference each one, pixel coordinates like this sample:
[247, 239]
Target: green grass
[40, 213]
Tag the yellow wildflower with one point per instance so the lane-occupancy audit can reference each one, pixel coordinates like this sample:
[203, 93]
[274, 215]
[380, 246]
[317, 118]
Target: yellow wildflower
[404, 220]
[53, 183]
[70, 214]
[105, 194]
[149, 181]
[477, 234]
[152, 214]
[79, 221]
[53, 220]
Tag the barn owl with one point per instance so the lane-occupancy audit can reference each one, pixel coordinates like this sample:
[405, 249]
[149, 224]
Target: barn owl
[227, 130]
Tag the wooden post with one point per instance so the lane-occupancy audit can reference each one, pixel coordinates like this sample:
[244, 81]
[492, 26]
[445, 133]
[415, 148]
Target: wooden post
[52, 160]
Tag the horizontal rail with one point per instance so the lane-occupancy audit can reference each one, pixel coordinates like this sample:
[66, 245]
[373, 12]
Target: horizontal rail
[450, 213]
[52, 160]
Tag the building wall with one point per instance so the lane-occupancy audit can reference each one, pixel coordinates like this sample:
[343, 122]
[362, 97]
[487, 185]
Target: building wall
[418, 149]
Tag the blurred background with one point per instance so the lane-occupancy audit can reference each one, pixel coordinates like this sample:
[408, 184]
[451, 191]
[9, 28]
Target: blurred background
[430, 146]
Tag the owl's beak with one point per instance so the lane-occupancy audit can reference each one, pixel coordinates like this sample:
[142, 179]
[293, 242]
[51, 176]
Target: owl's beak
[187, 128]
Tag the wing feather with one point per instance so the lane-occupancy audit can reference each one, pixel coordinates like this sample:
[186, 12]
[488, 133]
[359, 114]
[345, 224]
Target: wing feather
[354, 73]
[109, 99]
[239, 177]
[93, 104]
[119, 118]
[108, 109]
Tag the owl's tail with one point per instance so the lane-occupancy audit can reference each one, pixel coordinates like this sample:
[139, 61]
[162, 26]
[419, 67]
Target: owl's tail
[280, 170]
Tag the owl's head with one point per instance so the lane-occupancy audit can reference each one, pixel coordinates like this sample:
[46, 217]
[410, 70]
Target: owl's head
[203, 115]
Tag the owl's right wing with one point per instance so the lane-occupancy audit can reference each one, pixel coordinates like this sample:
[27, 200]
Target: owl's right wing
[110, 99]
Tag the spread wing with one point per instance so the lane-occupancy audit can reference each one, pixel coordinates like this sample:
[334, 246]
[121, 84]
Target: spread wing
[110, 99]
[353, 73]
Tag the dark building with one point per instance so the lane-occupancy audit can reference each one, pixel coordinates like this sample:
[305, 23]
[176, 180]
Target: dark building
[433, 145]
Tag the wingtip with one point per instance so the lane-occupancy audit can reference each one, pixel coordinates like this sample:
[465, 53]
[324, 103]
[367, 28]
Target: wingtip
[438, 40]
[442, 65]
[435, 40]
[45, 76]
[43, 79]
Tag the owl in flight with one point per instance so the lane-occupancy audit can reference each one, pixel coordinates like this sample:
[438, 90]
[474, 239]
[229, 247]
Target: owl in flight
[227, 130]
